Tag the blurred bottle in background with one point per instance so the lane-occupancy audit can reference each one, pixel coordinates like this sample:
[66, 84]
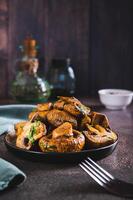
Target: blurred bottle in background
[61, 78]
[28, 87]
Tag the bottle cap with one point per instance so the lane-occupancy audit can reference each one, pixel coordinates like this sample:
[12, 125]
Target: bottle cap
[29, 47]
[29, 42]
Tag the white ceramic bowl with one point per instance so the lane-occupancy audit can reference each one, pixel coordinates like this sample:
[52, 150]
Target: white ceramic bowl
[115, 99]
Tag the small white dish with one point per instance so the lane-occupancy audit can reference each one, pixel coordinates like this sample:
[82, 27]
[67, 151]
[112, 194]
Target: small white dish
[115, 99]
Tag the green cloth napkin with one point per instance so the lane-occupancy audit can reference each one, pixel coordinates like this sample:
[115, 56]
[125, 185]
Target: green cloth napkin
[10, 176]
[7, 123]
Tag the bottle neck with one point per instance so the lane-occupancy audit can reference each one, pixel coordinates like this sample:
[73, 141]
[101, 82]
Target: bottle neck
[30, 53]
[29, 65]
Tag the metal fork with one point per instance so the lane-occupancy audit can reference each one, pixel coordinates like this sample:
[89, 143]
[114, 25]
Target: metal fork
[106, 180]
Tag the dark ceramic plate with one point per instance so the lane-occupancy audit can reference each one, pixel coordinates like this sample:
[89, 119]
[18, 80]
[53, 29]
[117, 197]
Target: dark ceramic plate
[12, 113]
[96, 154]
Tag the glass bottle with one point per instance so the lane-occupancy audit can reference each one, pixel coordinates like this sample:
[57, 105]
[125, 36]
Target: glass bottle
[28, 87]
[61, 78]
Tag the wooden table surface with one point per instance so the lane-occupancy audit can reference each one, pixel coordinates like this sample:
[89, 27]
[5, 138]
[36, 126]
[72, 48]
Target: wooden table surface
[69, 182]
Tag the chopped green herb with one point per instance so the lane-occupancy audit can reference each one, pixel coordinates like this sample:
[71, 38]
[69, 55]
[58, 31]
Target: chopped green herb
[32, 140]
[32, 133]
[37, 123]
[83, 109]
[51, 146]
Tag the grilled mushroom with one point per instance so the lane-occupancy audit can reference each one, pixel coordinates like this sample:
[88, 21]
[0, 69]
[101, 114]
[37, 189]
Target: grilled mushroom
[32, 131]
[84, 121]
[63, 122]
[63, 130]
[98, 136]
[44, 106]
[19, 127]
[66, 141]
[57, 117]
[100, 119]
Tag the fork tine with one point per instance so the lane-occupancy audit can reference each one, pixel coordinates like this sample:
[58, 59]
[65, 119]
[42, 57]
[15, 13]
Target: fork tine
[91, 175]
[104, 181]
[97, 170]
[100, 168]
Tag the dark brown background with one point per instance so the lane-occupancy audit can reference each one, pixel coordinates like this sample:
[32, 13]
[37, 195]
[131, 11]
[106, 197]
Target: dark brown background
[96, 34]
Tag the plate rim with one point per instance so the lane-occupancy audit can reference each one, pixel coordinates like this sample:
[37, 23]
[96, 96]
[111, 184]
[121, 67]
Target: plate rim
[17, 106]
[49, 153]
[59, 153]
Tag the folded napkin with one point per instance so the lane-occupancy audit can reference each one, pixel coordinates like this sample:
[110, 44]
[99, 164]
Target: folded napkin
[7, 123]
[10, 176]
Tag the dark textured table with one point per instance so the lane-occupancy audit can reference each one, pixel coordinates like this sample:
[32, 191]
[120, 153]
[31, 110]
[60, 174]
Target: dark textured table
[69, 182]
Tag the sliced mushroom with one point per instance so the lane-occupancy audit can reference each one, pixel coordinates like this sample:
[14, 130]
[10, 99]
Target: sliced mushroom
[85, 120]
[63, 130]
[57, 117]
[44, 106]
[70, 100]
[59, 105]
[38, 115]
[100, 119]
[72, 109]
[62, 144]
[32, 131]
[19, 127]
[72, 106]
[98, 136]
